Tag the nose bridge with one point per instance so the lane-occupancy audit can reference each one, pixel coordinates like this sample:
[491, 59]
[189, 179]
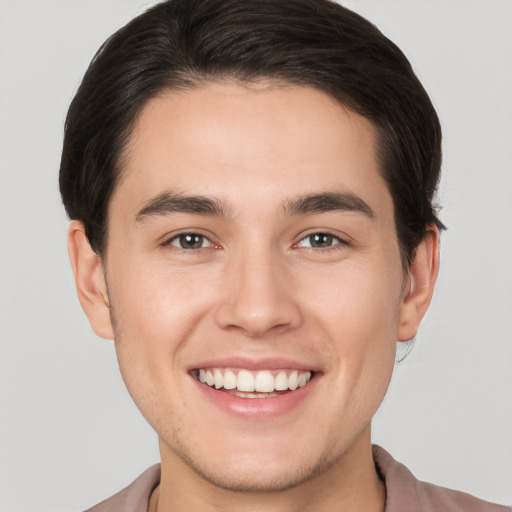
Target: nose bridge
[258, 295]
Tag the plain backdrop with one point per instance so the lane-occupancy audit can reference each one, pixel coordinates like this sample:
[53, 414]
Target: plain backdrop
[69, 433]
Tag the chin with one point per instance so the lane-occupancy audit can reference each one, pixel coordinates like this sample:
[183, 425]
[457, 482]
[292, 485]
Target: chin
[262, 470]
[255, 477]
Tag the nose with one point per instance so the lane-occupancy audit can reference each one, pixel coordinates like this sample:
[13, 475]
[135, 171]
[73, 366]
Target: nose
[258, 296]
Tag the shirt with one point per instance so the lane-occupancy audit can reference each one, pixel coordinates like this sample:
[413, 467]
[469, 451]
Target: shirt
[404, 493]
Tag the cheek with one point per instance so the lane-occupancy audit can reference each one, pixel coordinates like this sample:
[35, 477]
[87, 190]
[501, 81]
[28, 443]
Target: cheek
[152, 320]
[359, 318]
[357, 301]
[157, 309]
[158, 304]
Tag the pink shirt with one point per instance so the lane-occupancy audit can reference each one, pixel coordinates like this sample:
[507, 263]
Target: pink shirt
[404, 492]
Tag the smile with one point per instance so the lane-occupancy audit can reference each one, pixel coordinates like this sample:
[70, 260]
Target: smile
[253, 384]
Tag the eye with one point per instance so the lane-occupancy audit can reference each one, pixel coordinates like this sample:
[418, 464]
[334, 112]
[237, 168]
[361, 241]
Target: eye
[320, 241]
[189, 241]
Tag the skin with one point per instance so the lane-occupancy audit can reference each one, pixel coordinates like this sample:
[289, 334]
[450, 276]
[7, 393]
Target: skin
[258, 289]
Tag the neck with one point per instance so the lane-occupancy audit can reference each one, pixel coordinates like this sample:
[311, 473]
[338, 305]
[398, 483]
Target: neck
[350, 484]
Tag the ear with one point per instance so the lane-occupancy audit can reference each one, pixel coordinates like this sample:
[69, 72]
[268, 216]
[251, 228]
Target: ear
[89, 280]
[419, 287]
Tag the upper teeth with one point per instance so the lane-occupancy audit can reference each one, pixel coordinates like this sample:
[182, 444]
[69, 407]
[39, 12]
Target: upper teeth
[264, 381]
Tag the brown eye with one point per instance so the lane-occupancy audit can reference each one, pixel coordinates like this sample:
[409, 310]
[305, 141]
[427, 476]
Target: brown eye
[190, 241]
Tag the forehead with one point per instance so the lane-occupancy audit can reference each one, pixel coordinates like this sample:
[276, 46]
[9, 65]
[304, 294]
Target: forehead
[254, 141]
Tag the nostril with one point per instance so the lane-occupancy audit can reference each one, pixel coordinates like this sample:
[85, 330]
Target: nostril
[258, 309]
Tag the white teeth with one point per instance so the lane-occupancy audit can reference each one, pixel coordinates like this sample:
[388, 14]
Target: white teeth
[209, 378]
[218, 378]
[264, 382]
[254, 395]
[258, 384]
[293, 380]
[245, 381]
[229, 380]
[281, 381]
[245, 395]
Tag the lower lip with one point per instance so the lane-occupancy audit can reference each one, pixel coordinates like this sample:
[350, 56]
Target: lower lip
[257, 408]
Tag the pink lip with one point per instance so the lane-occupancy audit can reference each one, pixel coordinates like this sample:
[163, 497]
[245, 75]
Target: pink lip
[255, 408]
[253, 364]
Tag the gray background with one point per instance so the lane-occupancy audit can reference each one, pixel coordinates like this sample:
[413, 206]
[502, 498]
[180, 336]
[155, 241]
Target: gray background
[69, 434]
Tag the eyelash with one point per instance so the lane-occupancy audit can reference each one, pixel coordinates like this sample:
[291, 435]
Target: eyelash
[336, 242]
[179, 236]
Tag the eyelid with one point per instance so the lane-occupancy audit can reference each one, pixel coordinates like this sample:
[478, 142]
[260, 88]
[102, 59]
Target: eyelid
[169, 238]
[342, 241]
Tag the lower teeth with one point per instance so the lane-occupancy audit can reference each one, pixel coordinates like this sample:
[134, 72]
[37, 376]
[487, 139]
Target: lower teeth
[241, 394]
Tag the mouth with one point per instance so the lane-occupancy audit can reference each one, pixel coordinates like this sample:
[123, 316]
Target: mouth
[244, 383]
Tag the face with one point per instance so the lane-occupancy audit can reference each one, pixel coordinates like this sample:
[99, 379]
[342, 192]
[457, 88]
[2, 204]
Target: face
[254, 280]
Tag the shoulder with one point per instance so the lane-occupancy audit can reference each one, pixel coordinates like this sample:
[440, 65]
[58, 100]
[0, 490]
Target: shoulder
[407, 494]
[135, 497]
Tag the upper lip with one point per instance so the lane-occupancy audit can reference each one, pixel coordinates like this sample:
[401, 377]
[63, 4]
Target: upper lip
[243, 362]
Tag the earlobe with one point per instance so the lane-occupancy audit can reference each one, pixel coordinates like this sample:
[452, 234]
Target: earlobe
[89, 280]
[423, 271]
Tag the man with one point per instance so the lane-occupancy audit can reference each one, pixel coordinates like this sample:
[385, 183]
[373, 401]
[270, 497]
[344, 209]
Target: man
[250, 185]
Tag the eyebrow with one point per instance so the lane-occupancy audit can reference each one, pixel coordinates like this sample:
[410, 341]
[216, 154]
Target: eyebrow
[169, 202]
[328, 202]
